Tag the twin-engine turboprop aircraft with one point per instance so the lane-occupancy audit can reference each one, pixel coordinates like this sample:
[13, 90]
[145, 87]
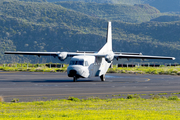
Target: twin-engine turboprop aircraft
[92, 64]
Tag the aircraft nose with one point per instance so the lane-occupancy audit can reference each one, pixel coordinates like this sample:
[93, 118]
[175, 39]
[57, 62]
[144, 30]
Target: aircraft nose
[78, 71]
[72, 73]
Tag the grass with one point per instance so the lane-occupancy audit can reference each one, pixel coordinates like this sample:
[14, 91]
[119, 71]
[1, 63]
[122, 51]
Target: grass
[32, 68]
[93, 109]
[147, 70]
[134, 70]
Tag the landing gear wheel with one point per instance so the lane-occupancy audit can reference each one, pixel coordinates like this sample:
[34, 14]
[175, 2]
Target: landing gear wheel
[75, 79]
[102, 77]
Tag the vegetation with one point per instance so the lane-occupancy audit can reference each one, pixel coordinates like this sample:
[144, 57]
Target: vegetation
[34, 0]
[43, 26]
[167, 18]
[93, 108]
[122, 12]
[128, 70]
[165, 5]
[162, 5]
[104, 1]
[147, 70]
[32, 68]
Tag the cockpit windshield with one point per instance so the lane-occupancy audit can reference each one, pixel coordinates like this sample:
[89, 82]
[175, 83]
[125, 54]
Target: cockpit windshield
[80, 62]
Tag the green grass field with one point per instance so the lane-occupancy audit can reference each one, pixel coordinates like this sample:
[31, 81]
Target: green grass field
[134, 70]
[93, 109]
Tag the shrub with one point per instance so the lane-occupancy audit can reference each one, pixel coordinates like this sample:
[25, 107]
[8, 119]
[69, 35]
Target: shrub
[173, 98]
[154, 97]
[163, 97]
[73, 99]
[162, 94]
[15, 100]
[94, 98]
[129, 97]
[178, 73]
[111, 70]
[133, 96]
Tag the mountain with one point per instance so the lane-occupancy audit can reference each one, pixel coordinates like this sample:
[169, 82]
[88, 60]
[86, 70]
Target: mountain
[162, 5]
[167, 18]
[131, 2]
[43, 26]
[165, 5]
[127, 13]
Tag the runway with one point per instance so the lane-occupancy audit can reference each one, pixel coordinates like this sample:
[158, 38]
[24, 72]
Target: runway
[32, 86]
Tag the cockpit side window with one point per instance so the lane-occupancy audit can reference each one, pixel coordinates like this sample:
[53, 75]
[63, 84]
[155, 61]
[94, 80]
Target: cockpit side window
[76, 62]
[86, 63]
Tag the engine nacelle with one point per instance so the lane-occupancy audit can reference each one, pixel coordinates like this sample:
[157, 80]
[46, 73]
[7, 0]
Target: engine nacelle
[109, 57]
[62, 56]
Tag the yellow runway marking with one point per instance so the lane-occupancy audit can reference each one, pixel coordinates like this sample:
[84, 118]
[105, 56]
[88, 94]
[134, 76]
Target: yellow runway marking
[148, 79]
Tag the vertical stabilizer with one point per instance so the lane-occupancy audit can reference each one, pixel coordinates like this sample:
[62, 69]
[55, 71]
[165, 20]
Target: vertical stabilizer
[108, 46]
[109, 36]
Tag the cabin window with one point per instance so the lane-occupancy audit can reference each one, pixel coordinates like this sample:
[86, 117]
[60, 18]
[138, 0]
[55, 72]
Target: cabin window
[81, 62]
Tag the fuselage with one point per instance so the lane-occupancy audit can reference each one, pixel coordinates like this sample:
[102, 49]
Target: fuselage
[87, 66]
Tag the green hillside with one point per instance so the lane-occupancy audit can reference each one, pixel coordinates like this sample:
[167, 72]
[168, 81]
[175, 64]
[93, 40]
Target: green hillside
[162, 5]
[126, 13]
[43, 26]
[167, 18]
[165, 5]
[34, 0]
[131, 2]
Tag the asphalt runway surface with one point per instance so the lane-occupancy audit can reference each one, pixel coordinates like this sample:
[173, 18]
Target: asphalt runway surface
[33, 86]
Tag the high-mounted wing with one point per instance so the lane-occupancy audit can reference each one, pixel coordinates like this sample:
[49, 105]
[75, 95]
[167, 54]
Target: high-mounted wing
[32, 53]
[60, 55]
[127, 53]
[119, 56]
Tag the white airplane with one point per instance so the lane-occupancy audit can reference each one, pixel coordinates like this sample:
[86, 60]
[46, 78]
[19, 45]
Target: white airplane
[86, 64]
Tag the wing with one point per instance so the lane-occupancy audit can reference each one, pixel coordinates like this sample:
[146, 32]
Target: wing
[127, 53]
[117, 55]
[142, 57]
[44, 53]
[60, 55]
[32, 53]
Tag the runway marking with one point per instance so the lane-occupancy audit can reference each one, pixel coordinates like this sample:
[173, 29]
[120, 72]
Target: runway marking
[148, 79]
[137, 92]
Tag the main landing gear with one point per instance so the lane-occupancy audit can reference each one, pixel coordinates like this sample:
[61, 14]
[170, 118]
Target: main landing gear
[75, 79]
[102, 78]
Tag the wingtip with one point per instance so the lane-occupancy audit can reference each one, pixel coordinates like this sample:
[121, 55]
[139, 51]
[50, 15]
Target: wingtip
[173, 58]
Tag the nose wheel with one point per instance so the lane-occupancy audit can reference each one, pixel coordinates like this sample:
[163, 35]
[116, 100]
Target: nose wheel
[75, 79]
[102, 77]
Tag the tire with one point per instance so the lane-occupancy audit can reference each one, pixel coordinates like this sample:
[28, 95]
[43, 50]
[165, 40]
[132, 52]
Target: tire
[102, 78]
[75, 79]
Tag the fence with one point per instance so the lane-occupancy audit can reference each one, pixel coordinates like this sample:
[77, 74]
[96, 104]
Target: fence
[57, 65]
[146, 65]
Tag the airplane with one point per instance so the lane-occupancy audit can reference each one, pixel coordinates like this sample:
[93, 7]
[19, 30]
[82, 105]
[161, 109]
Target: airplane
[86, 64]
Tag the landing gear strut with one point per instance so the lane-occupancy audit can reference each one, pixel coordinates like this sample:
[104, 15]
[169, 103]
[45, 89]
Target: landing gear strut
[75, 79]
[102, 77]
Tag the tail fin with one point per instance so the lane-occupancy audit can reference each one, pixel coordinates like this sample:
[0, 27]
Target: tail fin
[108, 46]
